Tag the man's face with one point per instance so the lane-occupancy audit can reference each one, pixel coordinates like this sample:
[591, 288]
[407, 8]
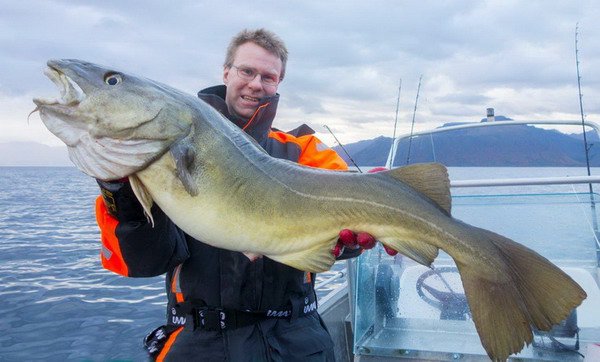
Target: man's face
[243, 94]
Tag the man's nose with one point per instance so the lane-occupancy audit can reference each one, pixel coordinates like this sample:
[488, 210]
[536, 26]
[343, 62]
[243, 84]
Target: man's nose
[256, 83]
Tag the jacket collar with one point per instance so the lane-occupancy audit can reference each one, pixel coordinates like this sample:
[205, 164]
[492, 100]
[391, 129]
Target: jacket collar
[258, 126]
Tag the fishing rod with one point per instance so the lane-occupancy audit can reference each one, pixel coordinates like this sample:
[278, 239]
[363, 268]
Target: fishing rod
[412, 127]
[343, 148]
[585, 144]
[393, 148]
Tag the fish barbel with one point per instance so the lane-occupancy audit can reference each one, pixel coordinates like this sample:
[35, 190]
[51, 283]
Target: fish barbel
[219, 186]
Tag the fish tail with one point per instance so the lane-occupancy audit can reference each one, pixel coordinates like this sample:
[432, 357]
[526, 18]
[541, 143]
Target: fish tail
[533, 293]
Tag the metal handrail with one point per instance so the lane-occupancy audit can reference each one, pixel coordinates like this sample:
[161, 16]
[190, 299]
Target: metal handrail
[336, 276]
[566, 180]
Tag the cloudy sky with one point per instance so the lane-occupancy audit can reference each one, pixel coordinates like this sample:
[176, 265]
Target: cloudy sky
[346, 57]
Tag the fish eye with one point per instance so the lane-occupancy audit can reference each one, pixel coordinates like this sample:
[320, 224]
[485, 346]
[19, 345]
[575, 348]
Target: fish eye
[112, 78]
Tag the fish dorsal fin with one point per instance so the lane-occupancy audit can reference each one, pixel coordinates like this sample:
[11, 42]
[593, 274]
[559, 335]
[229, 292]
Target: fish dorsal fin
[430, 179]
[143, 196]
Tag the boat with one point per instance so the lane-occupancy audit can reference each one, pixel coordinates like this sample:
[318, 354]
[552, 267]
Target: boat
[383, 308]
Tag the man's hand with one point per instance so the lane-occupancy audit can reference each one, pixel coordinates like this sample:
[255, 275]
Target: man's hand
[353, 241]
[120, 200]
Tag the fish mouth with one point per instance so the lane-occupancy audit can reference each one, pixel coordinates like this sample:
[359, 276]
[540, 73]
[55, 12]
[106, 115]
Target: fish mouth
[71, 94]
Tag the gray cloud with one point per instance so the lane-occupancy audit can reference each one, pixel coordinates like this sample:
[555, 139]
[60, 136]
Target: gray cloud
[346, 58]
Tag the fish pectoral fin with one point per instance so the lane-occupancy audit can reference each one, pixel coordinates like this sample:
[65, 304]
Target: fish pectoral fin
[184, 156]
[430, 179]
[143, 196]
[315, 260]
[418, 251]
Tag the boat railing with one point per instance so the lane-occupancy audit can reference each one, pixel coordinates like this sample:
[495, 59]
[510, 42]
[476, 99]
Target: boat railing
[337, 276]
[530, 181]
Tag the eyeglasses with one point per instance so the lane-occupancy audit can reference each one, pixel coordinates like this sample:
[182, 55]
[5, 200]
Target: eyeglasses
[248, 74]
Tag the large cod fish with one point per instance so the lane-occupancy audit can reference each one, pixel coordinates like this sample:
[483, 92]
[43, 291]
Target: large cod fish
[220, 187]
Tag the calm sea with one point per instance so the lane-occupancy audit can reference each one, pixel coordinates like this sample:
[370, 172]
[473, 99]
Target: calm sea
[56, 301]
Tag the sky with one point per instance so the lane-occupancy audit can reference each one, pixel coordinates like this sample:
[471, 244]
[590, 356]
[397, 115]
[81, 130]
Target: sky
[347, 59]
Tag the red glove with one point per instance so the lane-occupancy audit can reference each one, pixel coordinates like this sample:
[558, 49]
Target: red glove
[351, 240]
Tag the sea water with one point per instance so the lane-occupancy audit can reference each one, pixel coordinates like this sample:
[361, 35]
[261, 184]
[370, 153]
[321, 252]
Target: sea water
[57, 302]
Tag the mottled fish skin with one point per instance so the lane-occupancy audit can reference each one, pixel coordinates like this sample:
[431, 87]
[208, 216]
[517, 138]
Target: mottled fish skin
[220, 187]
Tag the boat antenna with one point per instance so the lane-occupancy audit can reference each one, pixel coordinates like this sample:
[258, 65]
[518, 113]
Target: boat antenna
[412, 126]
[343, 148]
[585, 144]
[392, 148]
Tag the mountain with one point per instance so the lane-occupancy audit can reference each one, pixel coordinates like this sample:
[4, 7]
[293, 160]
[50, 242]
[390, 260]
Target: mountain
[33, 154]
[517, 145]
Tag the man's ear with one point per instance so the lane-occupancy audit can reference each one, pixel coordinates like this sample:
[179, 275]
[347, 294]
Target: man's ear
[226, 75]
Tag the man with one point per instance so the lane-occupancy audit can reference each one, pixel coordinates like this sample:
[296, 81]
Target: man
[222, 305]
